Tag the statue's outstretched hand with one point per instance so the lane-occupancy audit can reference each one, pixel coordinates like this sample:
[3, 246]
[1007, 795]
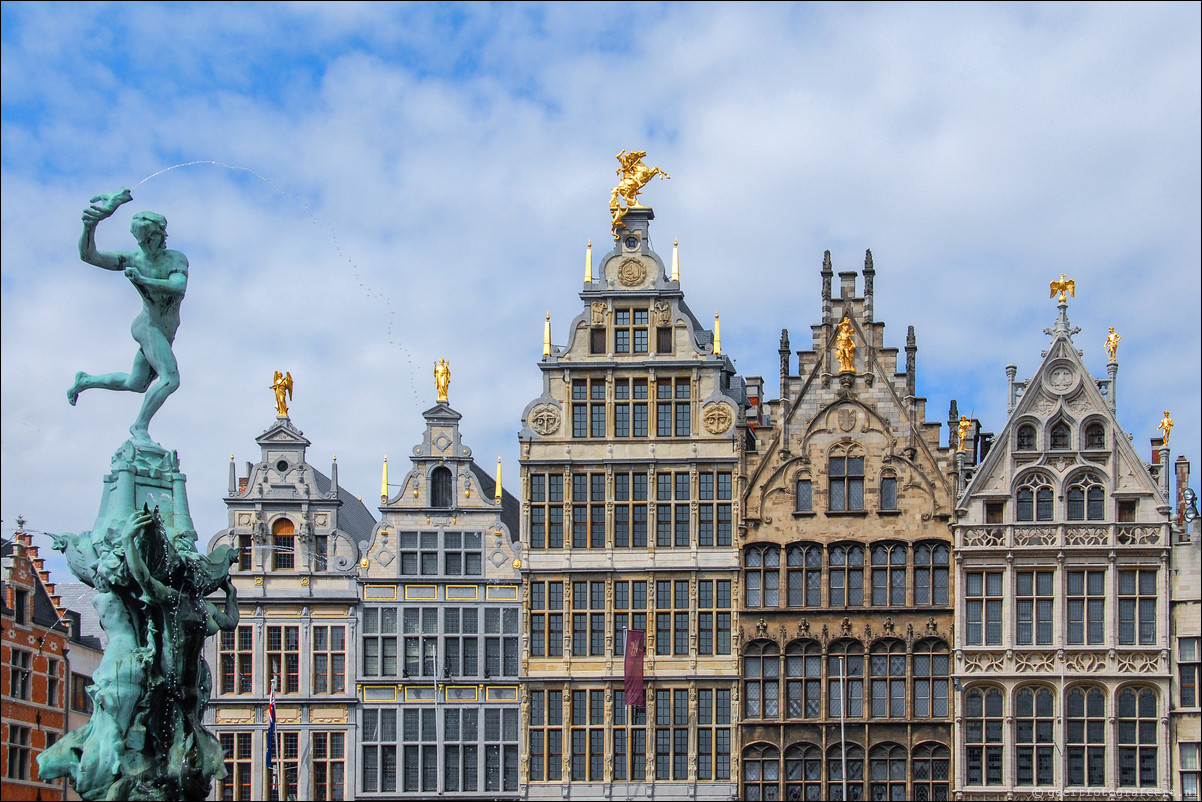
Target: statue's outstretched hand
[104, 205]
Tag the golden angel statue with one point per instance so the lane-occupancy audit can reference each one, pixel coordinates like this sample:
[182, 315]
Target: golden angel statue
[282, 384]
[962, 433]
[845, 346]
[1112, 344]
[633, 175]
[1166, 426]
[1062, 286]
[442, 379]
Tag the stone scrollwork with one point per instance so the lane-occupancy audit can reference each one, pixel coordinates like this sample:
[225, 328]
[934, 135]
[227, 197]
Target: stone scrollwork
[545, 419]
[984, 537]
[1085, 662]
[1035, 536]
[1028, 662]
[1139, 662]
[717, 418]
[632, 272]
[1085, 536]
[981, 663]
[1139, 535]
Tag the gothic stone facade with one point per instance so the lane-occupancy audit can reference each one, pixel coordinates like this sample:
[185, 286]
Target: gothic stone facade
[441, 629]
[1062, 616]
[847, 600]
[629, 467]
[300, 537]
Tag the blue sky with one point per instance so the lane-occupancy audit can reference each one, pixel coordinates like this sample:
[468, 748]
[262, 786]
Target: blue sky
[409, 182]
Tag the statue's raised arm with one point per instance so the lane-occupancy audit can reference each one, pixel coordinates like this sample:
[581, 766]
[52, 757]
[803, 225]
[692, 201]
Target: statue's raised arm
[102, 207]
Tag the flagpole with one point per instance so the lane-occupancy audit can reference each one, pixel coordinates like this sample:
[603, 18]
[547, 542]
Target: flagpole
[843, 718]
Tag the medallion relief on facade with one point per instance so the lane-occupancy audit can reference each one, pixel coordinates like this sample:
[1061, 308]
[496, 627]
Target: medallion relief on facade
[544, 419]
[1060, 380]
[717, 418]
[632, 272]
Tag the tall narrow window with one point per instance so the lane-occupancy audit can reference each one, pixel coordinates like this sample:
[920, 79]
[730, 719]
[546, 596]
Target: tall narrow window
[1086, 737]
[845, 679]
[237, 751]
[1137, 607]
[803, 678]
[887, 771]
[1033, 625]
[984, 608]
[931, 672]
[714, 512]
[931, 771]
[888, 492]
[762, 576]
[19, 753]
[889, 575]
[1086, 498]
[931, 574]
[283, 545]
[713, 616]
[888, 666]
[629, 740]
[1060, 435]
[630, 509]
[846, 471]
[805, 576]
[329, 660]
[1033, 718]
[630, 611]
[803, 772]
[283, 659]
[379, 750]
[442, 493]
[983, 737]
[805, 496]
[846, 576]
[761, 772]
[1086, 599]
[1034, 499]
[1189, 671]
[236, 654]
[850, 757]
[1137, 723]
[761, 680]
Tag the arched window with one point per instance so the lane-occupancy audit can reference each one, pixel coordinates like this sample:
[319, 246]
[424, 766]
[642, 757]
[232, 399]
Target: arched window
[803, 680]
[761, 772]
[761, 680]
[442, 493]
[836, 759]
[931, 770]
[889, 575]
[931, 573]
[803, 772]
[1025, 440]
[930, 679]
[283, 545]
[888, 666]
[805, 576]
[887, 772]
[1095, 436]
[1086, 737]
[847, 479]
[1034, 501]
[983, 737]
[847, 576]
[888, 491]
[845, 679]
[1033, 714]
[1061, 437]
[762, 575]
[805, 494]
[1137, 720]
[1086, 498]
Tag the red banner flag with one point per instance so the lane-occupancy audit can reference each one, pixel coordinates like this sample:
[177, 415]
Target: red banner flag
[635, 649]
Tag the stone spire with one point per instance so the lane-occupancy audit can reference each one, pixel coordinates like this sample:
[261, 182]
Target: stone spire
[869, 275]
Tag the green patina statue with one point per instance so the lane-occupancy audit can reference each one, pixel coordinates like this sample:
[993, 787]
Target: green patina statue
[146, 740]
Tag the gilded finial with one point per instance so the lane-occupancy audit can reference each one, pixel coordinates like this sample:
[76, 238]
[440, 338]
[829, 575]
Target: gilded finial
[384, 482]
[588, 263]
[845, 345]
[442, 379]
[1062, 286]
[1112, 344]
[633, 175]
[717, 336]
[547, 337]
[676, 260]
[282, 384]
[1166, 426]
[497, 496]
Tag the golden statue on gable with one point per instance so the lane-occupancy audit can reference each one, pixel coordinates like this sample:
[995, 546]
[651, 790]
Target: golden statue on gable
[1112, 344]
[1166, 426]
[1062, 286]
[845, 346]
[633, 175]
[282, 384]
[442, 379]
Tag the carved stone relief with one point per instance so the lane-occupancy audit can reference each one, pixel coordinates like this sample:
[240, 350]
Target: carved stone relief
[717, 418]
[544, 419]
[632, 272]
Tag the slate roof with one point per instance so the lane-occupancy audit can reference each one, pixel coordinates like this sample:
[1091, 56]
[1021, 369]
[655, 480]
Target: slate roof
[509, 503]
[353, 516]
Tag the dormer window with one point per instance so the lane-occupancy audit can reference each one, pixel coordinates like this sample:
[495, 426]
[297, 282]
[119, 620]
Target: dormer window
[1095, 436]
[1060, 436]
[283, 543]
[1026, 438]
[441, 488]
